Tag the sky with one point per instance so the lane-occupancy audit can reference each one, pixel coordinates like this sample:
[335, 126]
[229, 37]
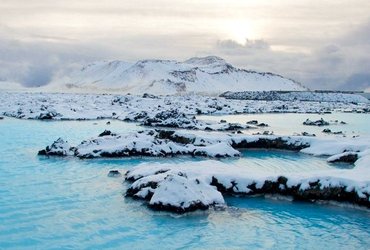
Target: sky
[324, 44]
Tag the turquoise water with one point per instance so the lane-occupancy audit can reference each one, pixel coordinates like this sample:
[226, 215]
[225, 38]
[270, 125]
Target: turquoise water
[279, 161]
[66, 203]
[287, 124]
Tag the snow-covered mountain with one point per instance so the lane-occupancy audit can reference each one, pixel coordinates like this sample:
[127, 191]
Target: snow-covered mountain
[204, 75]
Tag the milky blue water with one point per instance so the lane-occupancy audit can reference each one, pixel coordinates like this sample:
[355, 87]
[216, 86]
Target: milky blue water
[66, 203]
[288, 124]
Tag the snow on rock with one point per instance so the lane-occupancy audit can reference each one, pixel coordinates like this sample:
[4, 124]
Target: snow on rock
[171, 190]
[335, 146]
[350, 157]
[175, 119]
[343, 185]
[305, 134]
[190, 186]
[142, 143]
[58, 148]
[200, 143]
[146, 180]
[206, 75]
[328, 131]
[320, 122]
[180, 194]
[295, 96]
[135, 108]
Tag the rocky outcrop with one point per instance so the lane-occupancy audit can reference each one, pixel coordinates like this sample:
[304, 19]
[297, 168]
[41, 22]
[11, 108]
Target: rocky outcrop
[295, 96]
[319, 123]
[155, 143]
[187, 188]
[114, 173]
[272, 142]
[315, 191]
[47, 115]
[175, 193]
[175, 119]
[347, 157]
[134, 108]
[171, 119]
[328, 131]
[58, 148]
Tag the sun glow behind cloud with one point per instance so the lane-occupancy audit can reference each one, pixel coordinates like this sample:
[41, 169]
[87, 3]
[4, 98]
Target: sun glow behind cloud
[284, 36]
[240, 30]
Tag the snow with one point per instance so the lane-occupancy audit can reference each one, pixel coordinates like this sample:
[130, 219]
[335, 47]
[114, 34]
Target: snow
[195, 183]
[200, 143]
[240, 180]
[180, 192]
[320, 122]
[340, 157]
[136, 108]
[11, 86]
[334, 146]
[207, 75]
[143, 143]
[59, 148]
[295, 96]
[352, 185]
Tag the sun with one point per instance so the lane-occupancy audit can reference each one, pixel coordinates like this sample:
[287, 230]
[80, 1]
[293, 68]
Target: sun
[240, 30]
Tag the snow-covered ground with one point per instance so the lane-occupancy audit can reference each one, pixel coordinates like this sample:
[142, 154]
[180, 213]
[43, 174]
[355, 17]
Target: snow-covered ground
[129, 107]
[295, 96]
[207, 75]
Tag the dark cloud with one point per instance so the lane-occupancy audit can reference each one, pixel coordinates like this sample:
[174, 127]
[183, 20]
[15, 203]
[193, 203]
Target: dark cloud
[37, 63]
[38, 75]
[358, 81]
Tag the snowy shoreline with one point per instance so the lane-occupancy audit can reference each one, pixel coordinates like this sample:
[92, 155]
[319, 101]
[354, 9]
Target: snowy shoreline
[303, 96]
[183, 187]
[157, 111]
[187, 187]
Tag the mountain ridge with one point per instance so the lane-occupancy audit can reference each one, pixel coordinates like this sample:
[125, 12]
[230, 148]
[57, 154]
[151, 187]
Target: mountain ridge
[206, 75]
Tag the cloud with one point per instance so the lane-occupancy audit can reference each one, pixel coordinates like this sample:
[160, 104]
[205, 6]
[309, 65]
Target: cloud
[38, 75]
[254, 44]
[36, 63]
[341, 63]
[357, 81]
[322, 45]
[38, 60]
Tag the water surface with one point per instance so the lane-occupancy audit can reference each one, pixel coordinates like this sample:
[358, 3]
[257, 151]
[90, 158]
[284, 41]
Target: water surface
[67, 203]
[288, 124]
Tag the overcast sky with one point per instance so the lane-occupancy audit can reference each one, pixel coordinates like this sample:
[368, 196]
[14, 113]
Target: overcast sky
[323, 44]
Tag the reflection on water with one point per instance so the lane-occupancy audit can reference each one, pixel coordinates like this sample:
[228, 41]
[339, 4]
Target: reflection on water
[71, 203]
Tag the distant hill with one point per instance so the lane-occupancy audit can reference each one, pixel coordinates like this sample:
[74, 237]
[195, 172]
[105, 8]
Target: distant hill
[204, 75]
